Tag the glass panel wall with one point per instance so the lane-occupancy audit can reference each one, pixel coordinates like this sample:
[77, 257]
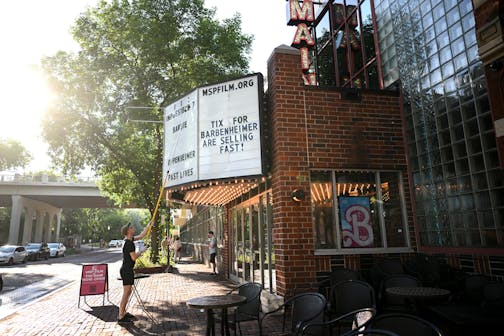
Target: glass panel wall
[253, 249]
[430, 48]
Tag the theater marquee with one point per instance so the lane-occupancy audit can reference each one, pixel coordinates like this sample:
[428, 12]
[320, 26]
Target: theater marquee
[214, 132]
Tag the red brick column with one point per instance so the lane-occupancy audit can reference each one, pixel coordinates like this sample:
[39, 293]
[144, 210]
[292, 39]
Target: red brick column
[292, 232]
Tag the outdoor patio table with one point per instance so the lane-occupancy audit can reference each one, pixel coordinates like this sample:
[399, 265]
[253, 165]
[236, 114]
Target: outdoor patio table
[211, 302]
[418, 294]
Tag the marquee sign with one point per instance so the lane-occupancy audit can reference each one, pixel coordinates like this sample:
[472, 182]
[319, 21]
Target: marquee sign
[302, 15]
[214, 132]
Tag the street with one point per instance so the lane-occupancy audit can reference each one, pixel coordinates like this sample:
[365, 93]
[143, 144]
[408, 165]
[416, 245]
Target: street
[24, 283]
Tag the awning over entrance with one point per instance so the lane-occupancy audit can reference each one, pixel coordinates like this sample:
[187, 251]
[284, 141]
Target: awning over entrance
[216, 193]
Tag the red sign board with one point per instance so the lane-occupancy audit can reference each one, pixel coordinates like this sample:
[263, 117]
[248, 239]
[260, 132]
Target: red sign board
[94, 279]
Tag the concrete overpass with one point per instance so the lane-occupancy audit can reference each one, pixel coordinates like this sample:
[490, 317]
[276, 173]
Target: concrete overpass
[39, 201]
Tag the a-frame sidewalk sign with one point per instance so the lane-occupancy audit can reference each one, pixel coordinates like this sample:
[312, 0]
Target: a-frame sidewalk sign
[94, 281]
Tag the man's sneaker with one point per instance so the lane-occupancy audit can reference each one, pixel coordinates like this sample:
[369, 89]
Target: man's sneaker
[125, 319]
[130, 316]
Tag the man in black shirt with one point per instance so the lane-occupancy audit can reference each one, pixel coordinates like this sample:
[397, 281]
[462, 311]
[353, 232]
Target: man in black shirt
[127, 275]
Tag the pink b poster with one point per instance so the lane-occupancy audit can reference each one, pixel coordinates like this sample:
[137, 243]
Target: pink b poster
[355, 217]
[94, 280]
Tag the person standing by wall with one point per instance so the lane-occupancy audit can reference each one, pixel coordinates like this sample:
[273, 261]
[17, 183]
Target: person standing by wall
[212, 249]
[127, 275]
[177, 249]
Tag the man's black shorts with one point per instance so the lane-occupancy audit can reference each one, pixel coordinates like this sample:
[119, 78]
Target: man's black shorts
[212, 257]
[127, 275]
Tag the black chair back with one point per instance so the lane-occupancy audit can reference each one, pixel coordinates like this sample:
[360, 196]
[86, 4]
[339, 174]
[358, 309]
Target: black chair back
[342, 274]
[389, 267]
[493, 294]
[252, 291]
[370, 332]
[405, 324]
[350, 295]
[360, 318]
[336, 276]
[383, 268]
[473, 288]
[306, 307]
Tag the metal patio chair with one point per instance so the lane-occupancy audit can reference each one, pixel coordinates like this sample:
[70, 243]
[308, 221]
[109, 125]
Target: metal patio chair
[361, 318]
[302, 308]
[405, 324]
[251, 310]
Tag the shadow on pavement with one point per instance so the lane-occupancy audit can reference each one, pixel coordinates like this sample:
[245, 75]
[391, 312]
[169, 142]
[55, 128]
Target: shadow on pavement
[105, 313]
[17, 280]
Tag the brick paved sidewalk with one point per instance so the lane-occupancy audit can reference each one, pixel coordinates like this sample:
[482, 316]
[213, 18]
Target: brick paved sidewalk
[164, 296]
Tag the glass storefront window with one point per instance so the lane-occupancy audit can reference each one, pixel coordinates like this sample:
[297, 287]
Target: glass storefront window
[366, 212]
[323, 209]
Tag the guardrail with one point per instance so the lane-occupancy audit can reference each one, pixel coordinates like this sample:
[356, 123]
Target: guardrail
[44, 178]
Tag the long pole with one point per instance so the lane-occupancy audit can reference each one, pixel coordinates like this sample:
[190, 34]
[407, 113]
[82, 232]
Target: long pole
[157, 205]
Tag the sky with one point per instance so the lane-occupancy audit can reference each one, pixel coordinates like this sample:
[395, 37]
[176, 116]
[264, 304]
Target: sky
[32, 29]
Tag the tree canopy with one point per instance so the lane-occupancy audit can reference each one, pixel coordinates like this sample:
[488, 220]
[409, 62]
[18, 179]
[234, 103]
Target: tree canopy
[135, 57]
[13, 154]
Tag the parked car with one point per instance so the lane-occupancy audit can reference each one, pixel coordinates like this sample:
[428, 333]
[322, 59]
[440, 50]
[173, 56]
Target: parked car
[10, 254]
[37, 251]
[115, 243]
[140, 246]
[56, 250]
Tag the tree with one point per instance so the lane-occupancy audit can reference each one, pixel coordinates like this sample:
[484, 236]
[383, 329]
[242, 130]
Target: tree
[137, 53]
[13, 154]
[96, 224]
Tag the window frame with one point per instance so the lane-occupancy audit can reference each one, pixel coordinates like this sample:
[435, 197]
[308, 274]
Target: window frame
[339, 250]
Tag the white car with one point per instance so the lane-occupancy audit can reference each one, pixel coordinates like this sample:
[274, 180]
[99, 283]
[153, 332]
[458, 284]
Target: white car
[10, 254]
[115, 243]
[56, 250]
[140, 246]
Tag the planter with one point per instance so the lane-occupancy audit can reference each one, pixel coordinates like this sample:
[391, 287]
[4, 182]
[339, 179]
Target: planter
[151, 270]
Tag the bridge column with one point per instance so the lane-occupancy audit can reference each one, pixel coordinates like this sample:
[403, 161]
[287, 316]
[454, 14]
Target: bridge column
[27, 230]
[58, 224]
[17, 207]
[47, 226]
[39, 225]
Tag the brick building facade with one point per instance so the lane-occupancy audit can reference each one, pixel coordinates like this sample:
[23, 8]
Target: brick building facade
[315, 128]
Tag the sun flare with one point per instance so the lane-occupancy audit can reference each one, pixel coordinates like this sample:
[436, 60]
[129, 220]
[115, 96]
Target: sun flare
[26, 97]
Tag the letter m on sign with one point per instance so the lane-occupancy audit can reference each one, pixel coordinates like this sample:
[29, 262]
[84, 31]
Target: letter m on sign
[299, 12]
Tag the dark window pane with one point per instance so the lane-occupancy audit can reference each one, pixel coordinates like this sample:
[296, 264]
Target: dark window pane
[367, 30]
[325, 66]
[392, 210]
[373, 79]
[322, 209]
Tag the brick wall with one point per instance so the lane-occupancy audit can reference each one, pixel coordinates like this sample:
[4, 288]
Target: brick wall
[313, 128]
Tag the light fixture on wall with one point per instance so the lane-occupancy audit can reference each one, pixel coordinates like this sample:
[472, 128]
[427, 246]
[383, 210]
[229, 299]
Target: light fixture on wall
[298, 195]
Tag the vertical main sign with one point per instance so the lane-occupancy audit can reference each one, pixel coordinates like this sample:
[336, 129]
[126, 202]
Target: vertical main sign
[215, 132]
[302, 15]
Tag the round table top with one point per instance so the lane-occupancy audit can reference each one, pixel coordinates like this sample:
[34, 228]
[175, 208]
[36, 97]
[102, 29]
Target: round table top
[418, 292]
[216, 301]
